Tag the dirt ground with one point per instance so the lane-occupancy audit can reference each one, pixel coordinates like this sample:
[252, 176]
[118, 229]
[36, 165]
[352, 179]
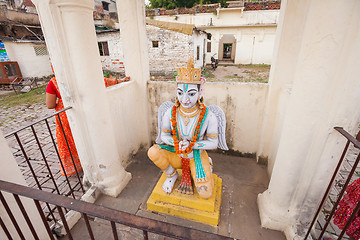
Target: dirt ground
[230, 73]
[238, 73]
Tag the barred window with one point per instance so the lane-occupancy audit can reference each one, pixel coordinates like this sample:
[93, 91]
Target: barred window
[209, 46]
[41, 51]
[103, 48]
[155, 44]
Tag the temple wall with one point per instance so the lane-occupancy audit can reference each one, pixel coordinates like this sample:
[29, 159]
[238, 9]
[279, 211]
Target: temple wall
[124, 101]
[31, 65]
[243, 104]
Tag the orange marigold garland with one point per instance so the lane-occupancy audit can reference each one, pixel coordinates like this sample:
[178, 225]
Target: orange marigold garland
[196, 133]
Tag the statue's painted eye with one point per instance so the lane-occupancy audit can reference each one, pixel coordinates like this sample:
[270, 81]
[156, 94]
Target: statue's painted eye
[191, 94]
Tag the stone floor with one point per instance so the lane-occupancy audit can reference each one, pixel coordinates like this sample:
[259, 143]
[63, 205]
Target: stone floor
[243, 179]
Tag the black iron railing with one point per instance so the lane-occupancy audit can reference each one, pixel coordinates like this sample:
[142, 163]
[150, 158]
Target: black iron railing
[35, 149]
[345, 171]
[88, 209]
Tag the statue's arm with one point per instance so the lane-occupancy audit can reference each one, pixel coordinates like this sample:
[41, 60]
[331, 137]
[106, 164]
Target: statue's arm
[166, 136]
[212, 139]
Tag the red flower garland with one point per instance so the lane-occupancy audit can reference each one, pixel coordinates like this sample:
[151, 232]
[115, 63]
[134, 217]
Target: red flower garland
[196, 133]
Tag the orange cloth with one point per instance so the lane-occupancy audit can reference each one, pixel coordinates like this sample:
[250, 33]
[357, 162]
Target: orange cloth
[110, 82]
[64, 153]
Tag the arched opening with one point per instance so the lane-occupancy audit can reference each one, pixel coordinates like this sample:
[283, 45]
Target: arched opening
[227, 46]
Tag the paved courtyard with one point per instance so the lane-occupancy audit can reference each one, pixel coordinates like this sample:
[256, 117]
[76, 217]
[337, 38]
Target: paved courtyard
[243, 179]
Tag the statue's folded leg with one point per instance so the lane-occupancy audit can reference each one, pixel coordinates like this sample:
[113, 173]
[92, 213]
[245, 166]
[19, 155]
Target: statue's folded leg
[168, 162]
[205, 189]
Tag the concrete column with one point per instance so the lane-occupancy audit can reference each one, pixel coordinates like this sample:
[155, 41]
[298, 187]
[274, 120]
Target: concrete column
[133, 35]
[9, 171]
[69, 32]
[323, 93]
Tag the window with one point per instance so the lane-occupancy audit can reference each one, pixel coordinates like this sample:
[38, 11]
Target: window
[41, 51]
[105, 5]
[155, 44]
[11, 70]
[197, 52]
[103, 48]
[209, 46]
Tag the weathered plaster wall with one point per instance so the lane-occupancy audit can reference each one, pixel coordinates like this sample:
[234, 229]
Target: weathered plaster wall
[243, 104]
[254, 45]
[30, 64]
[124, 99]
[173, 51]
[115, 61]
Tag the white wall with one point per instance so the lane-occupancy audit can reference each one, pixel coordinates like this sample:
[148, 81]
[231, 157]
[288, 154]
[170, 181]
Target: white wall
[124, 99]
[10, 172]
[198, 40]
[243, 104]
[225, 18]
[30, 64]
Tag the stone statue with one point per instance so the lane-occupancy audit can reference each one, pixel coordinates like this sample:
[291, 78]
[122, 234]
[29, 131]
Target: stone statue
[186, 130]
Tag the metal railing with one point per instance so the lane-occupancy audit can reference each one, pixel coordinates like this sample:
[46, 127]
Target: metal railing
[346, 170]
[88, 209]
[36, 152]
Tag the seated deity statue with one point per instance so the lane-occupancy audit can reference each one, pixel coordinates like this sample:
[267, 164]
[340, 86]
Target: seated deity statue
[186, 130]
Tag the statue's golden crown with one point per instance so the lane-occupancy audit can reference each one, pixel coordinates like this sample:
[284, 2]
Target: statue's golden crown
[189, 75]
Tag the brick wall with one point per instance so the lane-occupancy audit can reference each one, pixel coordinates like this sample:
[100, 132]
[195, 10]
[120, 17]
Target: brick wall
[209, 8]
[115, 61]
[173, 51]
[266, 5]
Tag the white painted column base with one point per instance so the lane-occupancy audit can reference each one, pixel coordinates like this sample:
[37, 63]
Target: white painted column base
[113, 185]
[273, 217]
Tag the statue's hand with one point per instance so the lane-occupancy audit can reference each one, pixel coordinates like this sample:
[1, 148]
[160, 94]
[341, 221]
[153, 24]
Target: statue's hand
[183, 144]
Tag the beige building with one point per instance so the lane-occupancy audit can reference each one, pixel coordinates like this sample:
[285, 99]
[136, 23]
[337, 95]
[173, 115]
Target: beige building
[239, 34]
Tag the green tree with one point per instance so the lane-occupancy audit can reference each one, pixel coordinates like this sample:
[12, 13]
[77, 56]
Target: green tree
[171, 4]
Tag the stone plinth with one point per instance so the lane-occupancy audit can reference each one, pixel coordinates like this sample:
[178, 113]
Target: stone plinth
[187, 206]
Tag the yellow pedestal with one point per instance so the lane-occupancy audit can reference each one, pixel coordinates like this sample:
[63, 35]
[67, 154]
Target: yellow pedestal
[187, 206]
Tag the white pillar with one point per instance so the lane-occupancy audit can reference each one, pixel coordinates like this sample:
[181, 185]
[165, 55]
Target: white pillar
[9, 171]
[322, 61]
[69, 32]
[136, 54]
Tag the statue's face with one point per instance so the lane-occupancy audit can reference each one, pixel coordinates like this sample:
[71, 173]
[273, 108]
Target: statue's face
[187, 94]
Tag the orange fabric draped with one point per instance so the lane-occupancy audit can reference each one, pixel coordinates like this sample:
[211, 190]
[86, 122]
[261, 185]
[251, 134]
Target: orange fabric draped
[64, 152]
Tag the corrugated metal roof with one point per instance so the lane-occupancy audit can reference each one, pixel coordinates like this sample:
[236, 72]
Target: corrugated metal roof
[178, 27]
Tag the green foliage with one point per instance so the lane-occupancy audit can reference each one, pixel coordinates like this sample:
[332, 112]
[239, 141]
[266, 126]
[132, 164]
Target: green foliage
[171, 4]
[106, 74]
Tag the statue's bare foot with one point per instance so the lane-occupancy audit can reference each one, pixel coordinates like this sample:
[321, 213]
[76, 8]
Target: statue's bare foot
[169, 183]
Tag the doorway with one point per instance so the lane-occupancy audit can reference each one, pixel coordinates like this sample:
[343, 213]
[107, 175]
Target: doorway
[227, 47]
[227, 51]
